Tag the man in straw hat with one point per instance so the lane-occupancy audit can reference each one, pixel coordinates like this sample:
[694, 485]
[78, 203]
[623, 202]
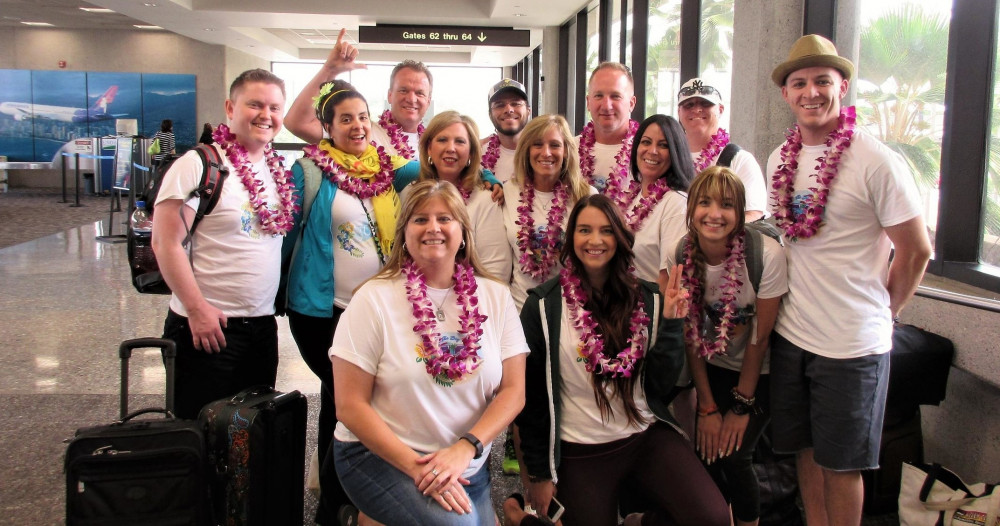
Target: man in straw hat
[842, 199]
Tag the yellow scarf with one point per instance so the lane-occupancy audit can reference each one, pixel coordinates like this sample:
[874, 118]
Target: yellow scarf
[386, 205]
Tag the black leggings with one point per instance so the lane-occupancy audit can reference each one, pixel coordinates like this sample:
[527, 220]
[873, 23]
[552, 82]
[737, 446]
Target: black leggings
[657, 467]
[734, 474]
[314, 337]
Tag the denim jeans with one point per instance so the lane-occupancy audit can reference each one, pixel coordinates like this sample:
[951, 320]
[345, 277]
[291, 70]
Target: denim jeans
[389, 496]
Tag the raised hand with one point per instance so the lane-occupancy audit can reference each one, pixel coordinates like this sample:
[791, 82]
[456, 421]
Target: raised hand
[675, 297]
[343, 56]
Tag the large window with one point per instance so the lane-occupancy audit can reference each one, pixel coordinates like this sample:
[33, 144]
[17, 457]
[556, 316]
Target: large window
[901, 86]
[663, 61]
[989, 250]
[715, 49]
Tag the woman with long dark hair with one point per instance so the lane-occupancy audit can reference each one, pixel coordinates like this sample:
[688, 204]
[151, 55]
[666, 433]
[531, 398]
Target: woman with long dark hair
[606, 352]
[654, 205]
[736, 277]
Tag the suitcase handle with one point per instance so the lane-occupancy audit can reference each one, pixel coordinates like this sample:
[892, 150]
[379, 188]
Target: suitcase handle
[241, 397]
[169, 350]
[130, 416]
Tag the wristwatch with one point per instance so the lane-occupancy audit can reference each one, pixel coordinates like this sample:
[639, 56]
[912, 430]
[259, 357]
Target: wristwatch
[740, 409]
[475, 443]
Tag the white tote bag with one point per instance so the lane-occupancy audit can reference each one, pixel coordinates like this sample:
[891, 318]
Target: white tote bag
[931, 495]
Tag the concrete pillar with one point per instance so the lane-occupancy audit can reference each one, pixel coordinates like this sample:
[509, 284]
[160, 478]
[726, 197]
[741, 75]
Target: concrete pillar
[764, 31]
[848, 38]
[550, 71]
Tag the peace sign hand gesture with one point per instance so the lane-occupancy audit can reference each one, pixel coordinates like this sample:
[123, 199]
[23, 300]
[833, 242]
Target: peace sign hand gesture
[675, 297]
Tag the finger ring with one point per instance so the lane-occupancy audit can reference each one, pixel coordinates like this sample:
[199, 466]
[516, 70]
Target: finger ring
[435, 472]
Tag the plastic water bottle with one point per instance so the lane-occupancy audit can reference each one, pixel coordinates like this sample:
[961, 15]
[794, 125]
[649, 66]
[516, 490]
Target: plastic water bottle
[141, 222]
[142, 257]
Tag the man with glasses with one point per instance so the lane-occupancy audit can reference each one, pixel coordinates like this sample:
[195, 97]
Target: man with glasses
[398, 129]
[509, 112]
[605, 145]
[699, 107]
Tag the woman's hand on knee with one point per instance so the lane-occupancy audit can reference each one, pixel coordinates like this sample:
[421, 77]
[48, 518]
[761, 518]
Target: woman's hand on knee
[442, 468]
[453, 498]
[709, 429]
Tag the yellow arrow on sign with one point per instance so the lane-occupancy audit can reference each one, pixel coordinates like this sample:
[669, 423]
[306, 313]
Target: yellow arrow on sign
[482, 37]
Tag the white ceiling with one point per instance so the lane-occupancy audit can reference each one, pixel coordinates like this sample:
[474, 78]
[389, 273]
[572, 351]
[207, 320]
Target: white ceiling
[307, 29]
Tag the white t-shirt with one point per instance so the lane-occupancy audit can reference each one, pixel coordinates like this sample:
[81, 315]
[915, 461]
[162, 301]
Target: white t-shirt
[658, 235]
[580, 419]
[837, 304]
[504, 169]
[746, 168]
[604, 163]
[488, 231]
[355, 256]
[773, 284]
[381, 138]
[521, 282]
[236, 265]
[426, 413]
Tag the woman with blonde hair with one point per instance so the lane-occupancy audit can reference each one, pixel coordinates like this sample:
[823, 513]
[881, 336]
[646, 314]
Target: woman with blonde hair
[428, 366]
[546, 185]
[450, 151]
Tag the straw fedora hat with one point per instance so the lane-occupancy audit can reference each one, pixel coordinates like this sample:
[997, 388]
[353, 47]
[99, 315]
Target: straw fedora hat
[811, 51]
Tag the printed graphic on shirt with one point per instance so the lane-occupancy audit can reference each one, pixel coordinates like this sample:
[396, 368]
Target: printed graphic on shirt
[600, 182]
[248, 221]
[741, 319]
[450, 341]
[799, 202]
[351, 236]
[535, 242]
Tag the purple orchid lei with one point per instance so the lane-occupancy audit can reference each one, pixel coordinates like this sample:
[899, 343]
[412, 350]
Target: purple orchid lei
[619, 174]
[276, 223]
[492, 154]
[730, 286]
[806, 224]
[539, 263]
[356, 186]
[711, 150]
[438, 361]
[591, 342]
[635, 215]
[395, 133]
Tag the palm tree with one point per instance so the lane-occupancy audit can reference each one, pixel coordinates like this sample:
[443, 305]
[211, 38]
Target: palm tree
[904, 55]
[715, 48]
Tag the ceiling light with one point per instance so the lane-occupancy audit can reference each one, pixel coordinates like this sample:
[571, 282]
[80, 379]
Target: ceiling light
[209, 29]
[40, 24]
[97, 10]
[520, 14]
[149, 4]
[141, 26]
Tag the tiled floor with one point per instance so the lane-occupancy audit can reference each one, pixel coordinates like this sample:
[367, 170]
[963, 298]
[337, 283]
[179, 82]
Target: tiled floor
[65, 304]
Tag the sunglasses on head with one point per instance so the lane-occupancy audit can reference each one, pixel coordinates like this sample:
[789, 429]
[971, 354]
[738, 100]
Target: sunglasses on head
[698, 89]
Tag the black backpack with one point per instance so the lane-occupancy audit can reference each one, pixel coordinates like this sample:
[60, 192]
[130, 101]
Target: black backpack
[146, 277]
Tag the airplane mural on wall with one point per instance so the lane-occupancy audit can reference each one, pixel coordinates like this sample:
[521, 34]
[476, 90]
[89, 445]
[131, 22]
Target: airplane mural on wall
[98, 112]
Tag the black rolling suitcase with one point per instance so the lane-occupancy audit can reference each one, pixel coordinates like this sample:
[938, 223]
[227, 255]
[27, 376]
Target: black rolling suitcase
[139, 471]
[257, 443]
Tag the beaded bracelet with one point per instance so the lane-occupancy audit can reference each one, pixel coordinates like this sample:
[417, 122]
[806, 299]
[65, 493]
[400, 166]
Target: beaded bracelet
[742, 399]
